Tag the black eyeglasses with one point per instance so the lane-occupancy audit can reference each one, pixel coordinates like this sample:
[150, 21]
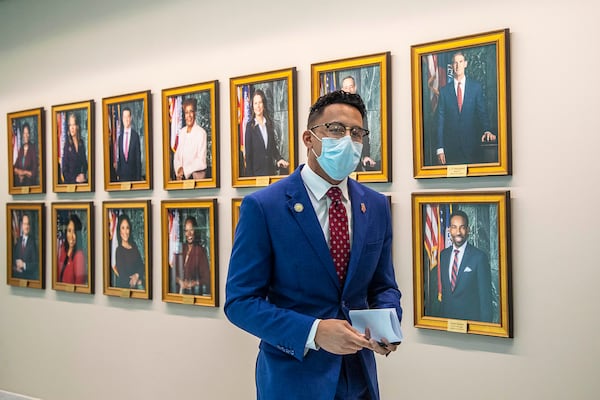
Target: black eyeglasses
[339, 130]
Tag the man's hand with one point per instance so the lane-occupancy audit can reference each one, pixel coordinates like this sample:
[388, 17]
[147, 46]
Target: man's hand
[384, 349]
[368, 162]
[442, 158]
[488, 137]
[282, 163]
[339, 337]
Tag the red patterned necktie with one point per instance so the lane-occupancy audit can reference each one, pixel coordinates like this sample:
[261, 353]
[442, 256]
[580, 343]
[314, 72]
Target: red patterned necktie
[339, 238]
[454, 270]
[459, 97]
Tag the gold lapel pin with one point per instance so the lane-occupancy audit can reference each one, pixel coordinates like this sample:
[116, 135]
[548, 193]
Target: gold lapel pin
[298, 207]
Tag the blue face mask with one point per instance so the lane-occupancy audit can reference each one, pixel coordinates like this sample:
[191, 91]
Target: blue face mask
[339, 157]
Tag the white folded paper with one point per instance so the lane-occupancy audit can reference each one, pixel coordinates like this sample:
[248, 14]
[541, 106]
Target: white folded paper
[382, 323]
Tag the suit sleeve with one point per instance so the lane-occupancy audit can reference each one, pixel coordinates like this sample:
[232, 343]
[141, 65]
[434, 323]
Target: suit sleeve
[484, 276]
[383, 289]
[441, 116]
[248, 282]
[482, 114]
[138, 159]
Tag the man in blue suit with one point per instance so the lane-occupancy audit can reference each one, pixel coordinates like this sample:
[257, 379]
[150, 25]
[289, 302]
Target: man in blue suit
[129, 166]
[282, 285]
[463, 123]
[470, 297]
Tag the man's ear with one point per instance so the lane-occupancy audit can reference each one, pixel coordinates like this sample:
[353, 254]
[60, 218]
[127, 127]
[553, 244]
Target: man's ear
[307, 139]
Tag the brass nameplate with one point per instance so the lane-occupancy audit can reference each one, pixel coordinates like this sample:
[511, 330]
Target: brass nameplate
[457, 325]
[189, 184]
[126, 293]
[25, 190]
[126, 186]
[23, 283]
[455, 171]
[262, 181]
[188, 299]
[70, 288]
[71, 188]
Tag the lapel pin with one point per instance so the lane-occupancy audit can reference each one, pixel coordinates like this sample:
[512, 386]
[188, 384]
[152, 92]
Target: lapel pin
[298, 207]
[363, 208]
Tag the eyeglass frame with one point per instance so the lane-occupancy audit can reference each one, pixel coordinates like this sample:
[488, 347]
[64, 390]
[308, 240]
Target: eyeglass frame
[365, 132]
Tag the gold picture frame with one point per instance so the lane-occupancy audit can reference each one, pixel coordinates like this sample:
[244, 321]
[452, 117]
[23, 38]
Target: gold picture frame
[236, 203]
[190, 273]
[25, 245]
[470, 137]
[253, 164]
[26, 166]
[473, 294]
[73, 247]
[73, 163]
[201, 100]
[127, 158]
[369, 76]
[135, 278]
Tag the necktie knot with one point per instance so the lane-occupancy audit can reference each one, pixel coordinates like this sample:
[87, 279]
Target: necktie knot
[334, 193]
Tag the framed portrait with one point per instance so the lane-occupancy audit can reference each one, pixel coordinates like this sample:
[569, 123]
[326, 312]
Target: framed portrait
[236, 203]
[461, 255]
[25, 134]
[25, 245]
[73, 247]
[370, 77]
[127, 139]
[191, 136]
[263, 127]
[189, 247]
[126, 249]
[73, 147]
[461, 106]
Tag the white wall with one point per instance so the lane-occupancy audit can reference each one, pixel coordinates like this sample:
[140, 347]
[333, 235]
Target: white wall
[63, 346]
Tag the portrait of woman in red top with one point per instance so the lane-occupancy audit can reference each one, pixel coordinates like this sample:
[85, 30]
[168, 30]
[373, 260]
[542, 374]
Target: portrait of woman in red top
[71, 260]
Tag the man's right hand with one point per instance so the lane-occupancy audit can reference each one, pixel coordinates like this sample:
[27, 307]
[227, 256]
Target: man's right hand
[339, 337]
[442, 158]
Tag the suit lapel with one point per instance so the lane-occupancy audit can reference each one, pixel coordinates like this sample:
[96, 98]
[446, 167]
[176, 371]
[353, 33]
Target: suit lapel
[302, 210]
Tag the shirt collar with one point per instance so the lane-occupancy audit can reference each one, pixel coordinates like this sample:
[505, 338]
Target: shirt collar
[319, 186]
[461, 81]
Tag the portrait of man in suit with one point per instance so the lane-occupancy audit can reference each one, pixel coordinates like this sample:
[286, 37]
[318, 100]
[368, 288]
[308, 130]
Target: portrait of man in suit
[25, 252]
[465, 275]
[366, 162]
[463, 124]
[129, 164]
[298, 302]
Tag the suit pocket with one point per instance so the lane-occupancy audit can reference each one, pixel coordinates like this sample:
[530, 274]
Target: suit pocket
[373, 247]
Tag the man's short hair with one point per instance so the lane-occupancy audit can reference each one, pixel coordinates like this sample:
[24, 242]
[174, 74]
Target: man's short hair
[337, 97]
[460, 213]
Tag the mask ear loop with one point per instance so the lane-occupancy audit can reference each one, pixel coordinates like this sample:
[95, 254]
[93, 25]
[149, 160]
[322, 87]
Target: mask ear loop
[312, 148]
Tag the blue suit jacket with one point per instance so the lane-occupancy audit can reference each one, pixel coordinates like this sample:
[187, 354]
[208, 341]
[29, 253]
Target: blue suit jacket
[459, 134]
[472, 296]
[281, 278]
